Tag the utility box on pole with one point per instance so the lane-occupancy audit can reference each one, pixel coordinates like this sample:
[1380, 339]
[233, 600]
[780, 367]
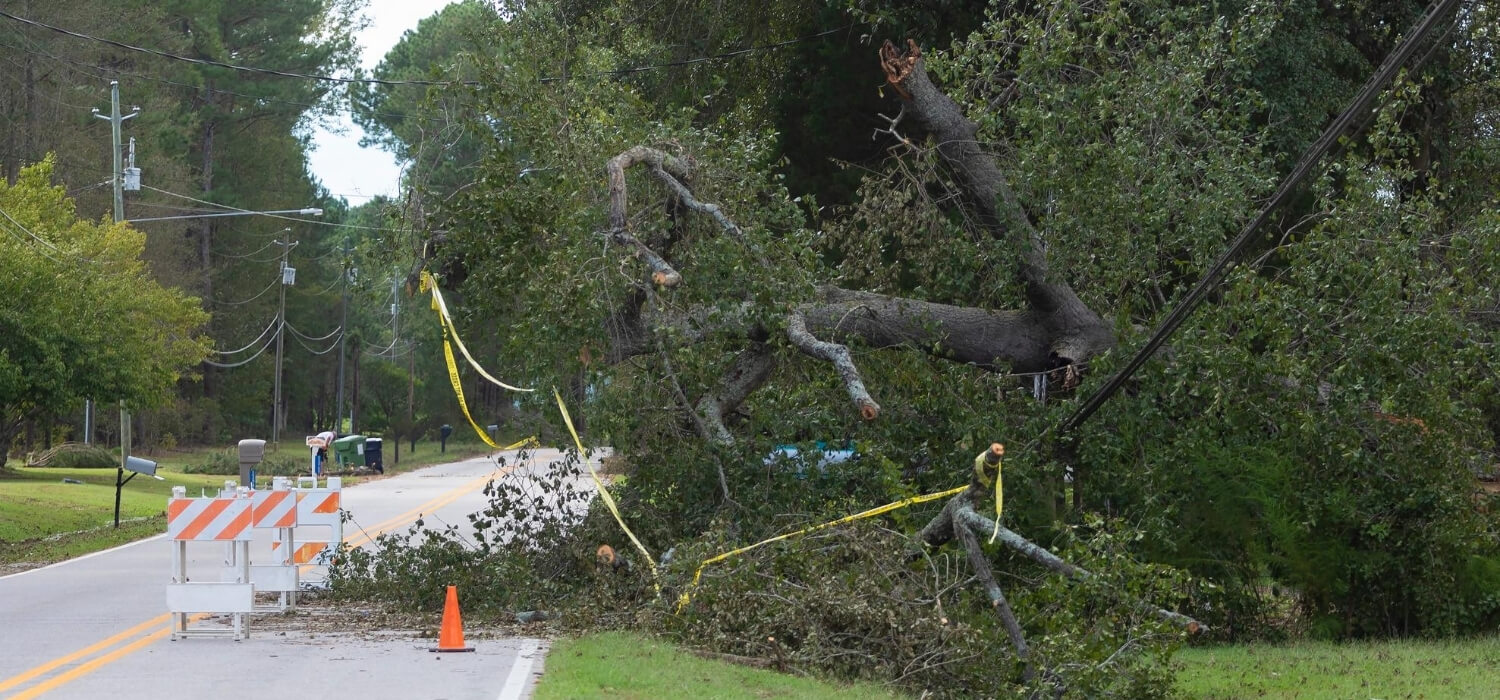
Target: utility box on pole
[252, 453]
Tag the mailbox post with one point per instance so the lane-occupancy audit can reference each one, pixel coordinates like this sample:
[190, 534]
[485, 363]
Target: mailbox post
[134, 465]
[445, 431]
[252, 452]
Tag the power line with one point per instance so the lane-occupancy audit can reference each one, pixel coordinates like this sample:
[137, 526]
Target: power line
[274, 216]
[247, 360]
[1311, 158]
[252, 343]
[435, 83]
[309, 338]
[77, 66]
[324, 351]
[257, 296]
[704, 59]
[27, 231]
[231, 66]
[44, 253]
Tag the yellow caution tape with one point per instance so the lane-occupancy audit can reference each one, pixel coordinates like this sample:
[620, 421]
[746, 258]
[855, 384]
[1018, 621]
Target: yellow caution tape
[609, 501]
[458, 390]
[999, 482]
[446, 319]
[698, 575]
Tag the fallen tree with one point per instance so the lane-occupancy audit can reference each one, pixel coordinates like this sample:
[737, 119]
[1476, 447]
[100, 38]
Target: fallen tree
[1055, 332]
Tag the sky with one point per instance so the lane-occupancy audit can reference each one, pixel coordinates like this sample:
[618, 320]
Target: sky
[346, 169]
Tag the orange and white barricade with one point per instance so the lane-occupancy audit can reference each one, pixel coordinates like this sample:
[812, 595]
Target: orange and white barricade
[276, 509]
[320, 526]
[227, 519]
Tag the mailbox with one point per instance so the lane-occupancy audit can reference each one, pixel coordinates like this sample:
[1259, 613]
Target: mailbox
[252, 452]
[445, 432]
[140, 466]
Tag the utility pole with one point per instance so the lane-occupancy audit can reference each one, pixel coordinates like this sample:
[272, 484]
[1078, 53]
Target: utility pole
[118, 179]
[288, 277]
[116, 154]
[344, 340]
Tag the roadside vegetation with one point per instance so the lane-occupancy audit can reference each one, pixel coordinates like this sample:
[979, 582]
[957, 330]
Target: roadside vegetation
[913, 229]
[48, 514]
[1433, 668]
[919, 248]
[622, 665]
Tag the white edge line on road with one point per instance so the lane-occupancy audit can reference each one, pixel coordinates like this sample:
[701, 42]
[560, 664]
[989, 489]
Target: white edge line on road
[519, 680]
[86, 556]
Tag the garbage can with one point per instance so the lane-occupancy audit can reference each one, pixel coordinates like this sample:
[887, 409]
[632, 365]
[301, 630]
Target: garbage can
[372, 454]
[349, 450]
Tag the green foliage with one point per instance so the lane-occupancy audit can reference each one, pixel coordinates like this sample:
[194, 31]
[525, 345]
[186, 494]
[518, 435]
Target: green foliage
[845, 602]
[83, 317]
[227, 463]
[1341, 380]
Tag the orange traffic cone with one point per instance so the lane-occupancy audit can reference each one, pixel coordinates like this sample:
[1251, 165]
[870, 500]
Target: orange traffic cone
[451, 637]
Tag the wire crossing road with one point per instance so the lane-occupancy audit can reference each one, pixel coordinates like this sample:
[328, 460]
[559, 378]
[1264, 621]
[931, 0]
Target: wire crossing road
[97, 626]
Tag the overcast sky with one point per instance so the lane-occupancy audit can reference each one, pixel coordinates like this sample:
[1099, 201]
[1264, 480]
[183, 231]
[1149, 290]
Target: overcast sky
[347, 170]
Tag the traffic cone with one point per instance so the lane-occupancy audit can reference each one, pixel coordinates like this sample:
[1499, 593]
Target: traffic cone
[451, 637]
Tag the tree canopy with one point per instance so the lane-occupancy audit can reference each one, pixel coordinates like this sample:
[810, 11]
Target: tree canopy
[89, 319]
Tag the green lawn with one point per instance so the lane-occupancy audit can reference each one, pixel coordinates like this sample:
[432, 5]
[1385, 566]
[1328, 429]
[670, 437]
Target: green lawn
[615, 665]
[44, 519]
[1395, 669]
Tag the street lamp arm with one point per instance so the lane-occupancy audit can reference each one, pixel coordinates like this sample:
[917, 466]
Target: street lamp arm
[309, 211]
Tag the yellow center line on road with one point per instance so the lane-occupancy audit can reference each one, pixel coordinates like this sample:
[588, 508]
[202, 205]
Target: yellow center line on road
[62, 660]
[93, 665]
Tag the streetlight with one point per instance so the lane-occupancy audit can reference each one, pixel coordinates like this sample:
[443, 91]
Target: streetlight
[309, 211]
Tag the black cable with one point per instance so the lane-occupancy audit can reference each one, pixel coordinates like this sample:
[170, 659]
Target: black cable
[1311, 158]
[438, 83]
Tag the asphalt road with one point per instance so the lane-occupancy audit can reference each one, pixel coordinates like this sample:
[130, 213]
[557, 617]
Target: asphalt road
[97, 626]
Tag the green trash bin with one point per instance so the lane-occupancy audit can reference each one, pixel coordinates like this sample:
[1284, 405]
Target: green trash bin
[349, 450]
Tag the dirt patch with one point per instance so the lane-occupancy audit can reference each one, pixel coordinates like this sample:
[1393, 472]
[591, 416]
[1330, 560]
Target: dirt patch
[317, 615]
[17, 567]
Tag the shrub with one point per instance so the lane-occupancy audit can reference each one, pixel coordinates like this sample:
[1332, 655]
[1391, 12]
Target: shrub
[226, 462]
[77, 456]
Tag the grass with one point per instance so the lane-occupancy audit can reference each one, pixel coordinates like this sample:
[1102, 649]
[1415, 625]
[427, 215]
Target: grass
[616, 665]
[1461, 668]
[44, 519]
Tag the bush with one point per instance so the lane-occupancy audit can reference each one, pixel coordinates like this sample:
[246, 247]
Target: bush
[77, 456]
[226, 462]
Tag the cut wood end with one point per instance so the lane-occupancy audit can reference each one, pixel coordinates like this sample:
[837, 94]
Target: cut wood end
[1194, 628]
[869, 411]
[666, 279]
[997, 449]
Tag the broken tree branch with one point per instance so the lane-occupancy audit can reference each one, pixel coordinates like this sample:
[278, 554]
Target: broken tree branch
[1078, 332]
[662, 272]
[997, 597]
[970, 519]
[838, 355]
[747, 373]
